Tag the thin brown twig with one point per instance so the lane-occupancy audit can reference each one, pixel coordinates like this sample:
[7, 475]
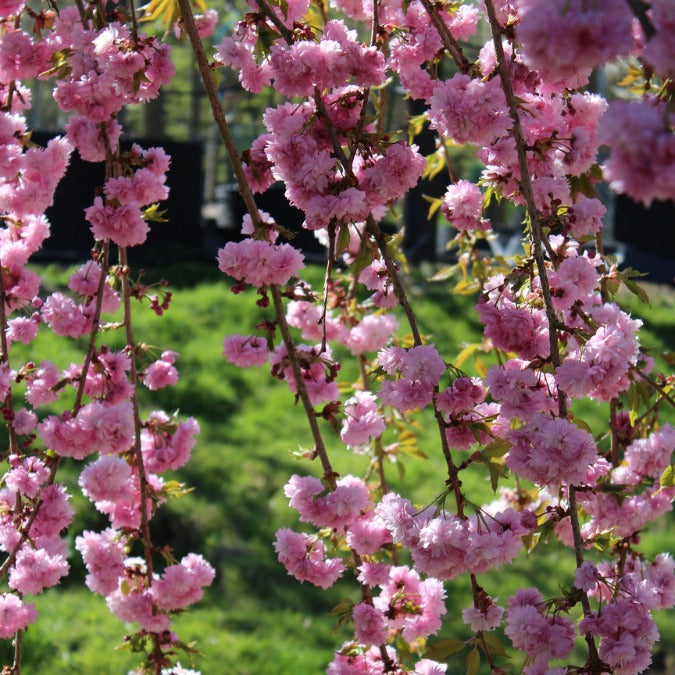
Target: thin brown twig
[285, 33]
[134, 22]
[133, 376]
[447, 39]
[8, 403]
[640, 8]
[310, 413]
[373, 229]
[18, 642]
[247, 195]
[654, 385]
[453, 474]
[528, 192]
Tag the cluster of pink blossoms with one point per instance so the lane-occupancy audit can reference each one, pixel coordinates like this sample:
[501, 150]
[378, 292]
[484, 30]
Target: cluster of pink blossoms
[542, 637]
[332, 71]
[420, 370]
[100, 66]
[341, 175]
[446, 546]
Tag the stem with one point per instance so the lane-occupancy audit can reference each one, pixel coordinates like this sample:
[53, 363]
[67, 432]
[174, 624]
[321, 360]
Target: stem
[285, 33]
[594, 659]
[133, 375]
[25, 530]
[218, 114]
[640, 10]
[18, 640]
[399, 291]
[235, 160]
[83, 15]
[92, 336]
[453, 478]
[528, 193]
[654, 385]
[447, 39]
[326, 279]
[614, 441]
[244, 189]
[4, 358]
[134, 22]
[448, 160]
[321, 110]
[302, 390]
[595, 663]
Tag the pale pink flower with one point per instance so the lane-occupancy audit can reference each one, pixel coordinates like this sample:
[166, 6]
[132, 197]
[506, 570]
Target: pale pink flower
[245, 350]
[181, 585]
[305, 558]
[34, 570]
[14, 615]
[39, 390]
[103, 555]
[369, 624]
[161, 373]
[463, 206]
[109, 478]
[362, 420]
[483, 619]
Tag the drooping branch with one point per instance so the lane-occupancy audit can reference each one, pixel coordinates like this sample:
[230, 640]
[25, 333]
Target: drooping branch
[528, 192]
[96, 320]
[251, 207]
[595, 664]
[4, 359]
[138, 453]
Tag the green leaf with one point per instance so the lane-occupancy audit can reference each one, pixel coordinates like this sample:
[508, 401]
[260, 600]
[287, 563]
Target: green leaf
[443, 649]
[435, 164]
[343, 612]
[473, 662]
[413, 451]
[582, 425]
[497, 471]
[480, 366]
[497, 448]
[343, 239]
[487, 196]
[415, 126]
[153, 214]
[444, 273]
[494, 644]
[436, 204]
[667, 479]
[466, 353]
[363, 258]
[636, 289]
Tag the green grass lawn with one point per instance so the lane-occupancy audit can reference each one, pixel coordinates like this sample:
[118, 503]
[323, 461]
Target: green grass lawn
[256, 619]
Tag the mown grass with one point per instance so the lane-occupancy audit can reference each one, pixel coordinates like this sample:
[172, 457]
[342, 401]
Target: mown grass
[257, 620]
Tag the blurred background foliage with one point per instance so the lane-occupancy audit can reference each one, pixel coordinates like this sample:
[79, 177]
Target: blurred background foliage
[256, 620]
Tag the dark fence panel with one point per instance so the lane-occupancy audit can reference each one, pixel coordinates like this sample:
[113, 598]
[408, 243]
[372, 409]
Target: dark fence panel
[178, 239]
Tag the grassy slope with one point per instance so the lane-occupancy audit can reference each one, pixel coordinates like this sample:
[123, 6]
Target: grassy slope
[257, 620]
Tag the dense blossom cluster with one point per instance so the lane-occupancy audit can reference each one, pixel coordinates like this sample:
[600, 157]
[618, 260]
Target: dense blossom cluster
[556, 330]
[99, 65]
[549, 316]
